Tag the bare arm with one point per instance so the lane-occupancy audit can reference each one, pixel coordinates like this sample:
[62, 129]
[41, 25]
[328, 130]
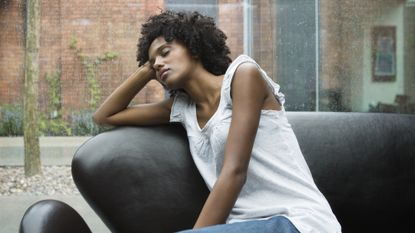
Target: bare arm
[248, 94]
[115, 111]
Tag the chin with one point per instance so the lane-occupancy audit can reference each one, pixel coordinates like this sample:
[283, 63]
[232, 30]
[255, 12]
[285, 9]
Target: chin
[171, 85]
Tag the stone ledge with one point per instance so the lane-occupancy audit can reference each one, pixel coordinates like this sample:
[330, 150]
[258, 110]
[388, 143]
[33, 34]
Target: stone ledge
[53, 150]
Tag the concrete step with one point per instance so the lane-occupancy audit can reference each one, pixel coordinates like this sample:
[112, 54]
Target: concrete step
[53, 150]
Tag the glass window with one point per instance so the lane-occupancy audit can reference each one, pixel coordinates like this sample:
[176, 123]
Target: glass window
[355, 55]
[206, 7]
[296, 60]
[338, 55]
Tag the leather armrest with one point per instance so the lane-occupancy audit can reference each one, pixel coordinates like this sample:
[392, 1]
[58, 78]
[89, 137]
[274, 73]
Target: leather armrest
[51, 216]
[140, 179]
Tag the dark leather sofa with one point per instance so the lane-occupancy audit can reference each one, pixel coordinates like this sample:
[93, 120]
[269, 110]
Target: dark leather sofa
[142, 179]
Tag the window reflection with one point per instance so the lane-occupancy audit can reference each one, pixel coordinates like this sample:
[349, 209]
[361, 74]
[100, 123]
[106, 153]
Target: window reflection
[367, 55]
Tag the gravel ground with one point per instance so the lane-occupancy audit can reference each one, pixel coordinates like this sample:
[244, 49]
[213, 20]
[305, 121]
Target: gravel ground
[54, 180]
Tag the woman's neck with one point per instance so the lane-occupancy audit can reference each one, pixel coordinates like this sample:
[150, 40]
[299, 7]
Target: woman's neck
[204, 87]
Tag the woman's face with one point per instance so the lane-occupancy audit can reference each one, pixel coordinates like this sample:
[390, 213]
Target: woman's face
[172, 62]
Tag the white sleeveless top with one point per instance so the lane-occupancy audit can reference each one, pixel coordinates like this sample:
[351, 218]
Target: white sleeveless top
[279, 181]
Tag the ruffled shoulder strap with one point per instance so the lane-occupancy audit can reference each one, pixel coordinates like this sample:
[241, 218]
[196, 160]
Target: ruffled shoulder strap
[178, 109]
[226, 91]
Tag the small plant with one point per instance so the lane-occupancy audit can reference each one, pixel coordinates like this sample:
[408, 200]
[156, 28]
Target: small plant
[54, 127]
[73, 43]
[109, 56]
[91, 65]
[54, 93]
[83, 125]
[52, 124]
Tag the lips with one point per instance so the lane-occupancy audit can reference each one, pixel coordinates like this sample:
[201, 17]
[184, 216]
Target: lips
[163, 74]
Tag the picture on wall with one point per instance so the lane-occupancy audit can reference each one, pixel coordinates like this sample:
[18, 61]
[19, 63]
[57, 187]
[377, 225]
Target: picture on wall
[384, 53]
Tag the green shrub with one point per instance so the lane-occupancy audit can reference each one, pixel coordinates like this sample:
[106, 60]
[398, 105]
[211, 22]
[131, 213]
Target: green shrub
[11, 123]
[11, 120]
[83, 125]
[54, 127]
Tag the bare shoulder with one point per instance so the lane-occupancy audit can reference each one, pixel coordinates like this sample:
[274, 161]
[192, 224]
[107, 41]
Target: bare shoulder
[247, 69]
[248, 74]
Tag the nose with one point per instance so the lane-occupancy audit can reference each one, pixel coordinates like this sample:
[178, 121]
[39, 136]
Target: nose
[158, 63]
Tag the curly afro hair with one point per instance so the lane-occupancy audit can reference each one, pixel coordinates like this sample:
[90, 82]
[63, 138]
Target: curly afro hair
[198, 33]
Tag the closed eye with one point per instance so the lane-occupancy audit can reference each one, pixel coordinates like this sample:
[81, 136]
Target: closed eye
[162, 51]
[165, 52]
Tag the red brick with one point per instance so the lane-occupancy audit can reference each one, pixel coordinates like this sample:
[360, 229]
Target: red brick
[99, 26]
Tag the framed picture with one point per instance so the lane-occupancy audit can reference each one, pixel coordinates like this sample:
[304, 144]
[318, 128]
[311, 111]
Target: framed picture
[383, 53]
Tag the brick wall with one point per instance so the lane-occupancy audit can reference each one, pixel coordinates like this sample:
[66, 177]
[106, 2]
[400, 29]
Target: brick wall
[263, 30]
[264, 35]
[101, 26]
[230, 21]
[11, 51]
[98, 26]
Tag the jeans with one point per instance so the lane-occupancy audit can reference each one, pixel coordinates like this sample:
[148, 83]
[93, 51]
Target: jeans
[278, 224]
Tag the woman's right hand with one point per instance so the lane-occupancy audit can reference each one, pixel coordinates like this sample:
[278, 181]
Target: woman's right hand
[115, 109]
[148, 71]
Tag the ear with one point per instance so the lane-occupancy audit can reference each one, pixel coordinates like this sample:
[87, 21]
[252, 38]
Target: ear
[196, 58]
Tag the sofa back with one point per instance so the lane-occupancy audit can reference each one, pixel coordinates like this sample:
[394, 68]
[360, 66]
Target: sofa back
[142, 179]
[364, 163]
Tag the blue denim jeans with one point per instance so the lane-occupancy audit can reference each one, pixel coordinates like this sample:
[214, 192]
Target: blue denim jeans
[278, 224]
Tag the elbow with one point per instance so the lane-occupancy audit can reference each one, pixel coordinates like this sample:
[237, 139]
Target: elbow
[241, 176]
[238, 175]
[99, 120]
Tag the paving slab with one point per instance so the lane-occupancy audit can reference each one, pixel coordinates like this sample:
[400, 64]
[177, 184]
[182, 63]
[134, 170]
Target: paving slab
[54, 151]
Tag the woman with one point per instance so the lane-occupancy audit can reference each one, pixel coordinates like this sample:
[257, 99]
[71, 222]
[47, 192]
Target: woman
[238, 133]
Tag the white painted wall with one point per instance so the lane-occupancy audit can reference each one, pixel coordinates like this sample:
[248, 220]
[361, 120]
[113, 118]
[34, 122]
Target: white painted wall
[409, 34]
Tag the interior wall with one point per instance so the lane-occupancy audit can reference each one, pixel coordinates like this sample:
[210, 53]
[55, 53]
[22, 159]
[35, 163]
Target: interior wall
[346, 59]
[409, 34]
[385, 92]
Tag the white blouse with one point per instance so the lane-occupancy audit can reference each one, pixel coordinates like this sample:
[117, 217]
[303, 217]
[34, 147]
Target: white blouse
[279, 181]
